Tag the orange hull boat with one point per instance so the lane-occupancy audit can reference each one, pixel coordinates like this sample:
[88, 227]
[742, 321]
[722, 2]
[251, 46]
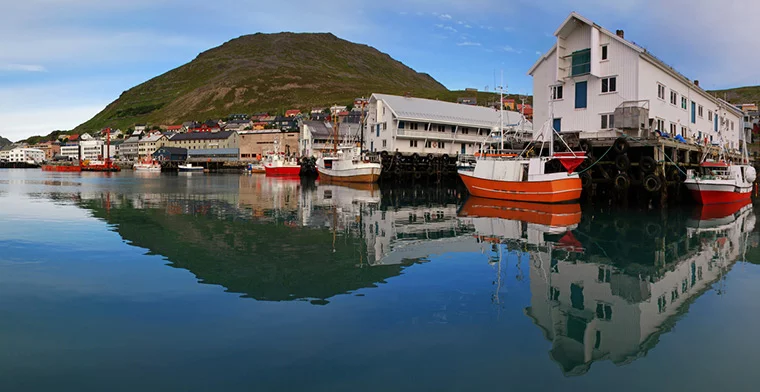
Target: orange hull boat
[554, 191]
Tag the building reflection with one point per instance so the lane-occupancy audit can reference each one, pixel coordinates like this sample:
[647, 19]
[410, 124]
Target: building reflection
[597, 299]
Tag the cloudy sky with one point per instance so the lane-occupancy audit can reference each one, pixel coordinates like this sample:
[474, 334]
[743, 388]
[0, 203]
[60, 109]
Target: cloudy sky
[62, 61]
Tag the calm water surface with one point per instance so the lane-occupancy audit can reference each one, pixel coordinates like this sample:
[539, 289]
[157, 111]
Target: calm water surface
[245, 283]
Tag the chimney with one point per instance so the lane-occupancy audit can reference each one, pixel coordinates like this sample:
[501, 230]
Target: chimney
[696, 83]
[620, 33]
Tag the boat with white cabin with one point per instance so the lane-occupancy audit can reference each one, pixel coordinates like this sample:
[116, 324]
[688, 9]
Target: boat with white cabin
[147, 165]
[188, 167]
[348, 165]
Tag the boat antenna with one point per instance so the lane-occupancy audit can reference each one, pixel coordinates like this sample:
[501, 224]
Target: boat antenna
[335, 129]
[501, 114]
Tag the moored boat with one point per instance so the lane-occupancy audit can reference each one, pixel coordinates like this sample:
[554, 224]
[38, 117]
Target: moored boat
[62, 167]
[147, 166]
[277, 164]
[348, 165]
[188, 167]
[720, 182]
[521, 177]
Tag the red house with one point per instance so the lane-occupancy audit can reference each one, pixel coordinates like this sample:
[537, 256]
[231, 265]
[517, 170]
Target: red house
[292, 113]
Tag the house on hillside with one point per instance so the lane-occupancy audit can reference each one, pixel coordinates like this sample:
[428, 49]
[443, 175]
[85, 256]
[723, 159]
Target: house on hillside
[150, 143]
[130, 149]
[208, 126]
[292, 113]
[204, 140]
[140, 127]
[424, 126]
[286, 123]
[590, 72]
[238, 125]
[175, 128]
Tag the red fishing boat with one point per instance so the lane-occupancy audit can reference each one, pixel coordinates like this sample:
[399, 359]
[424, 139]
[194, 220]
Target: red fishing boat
[64, 167]
[277, 164]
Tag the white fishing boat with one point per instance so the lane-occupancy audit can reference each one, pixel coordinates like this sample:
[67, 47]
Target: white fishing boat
[147, 165]
[347, 164]
[188, 167]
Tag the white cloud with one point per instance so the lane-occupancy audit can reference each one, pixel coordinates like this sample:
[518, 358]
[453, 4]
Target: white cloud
[467, 26]
[459, 22]
[22, 68]
[402, 13]
[510, 49]
[468, 43]
[538, 53]
[445, 16]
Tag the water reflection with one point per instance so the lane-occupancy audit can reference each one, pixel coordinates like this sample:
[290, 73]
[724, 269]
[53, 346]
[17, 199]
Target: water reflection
[603, 286]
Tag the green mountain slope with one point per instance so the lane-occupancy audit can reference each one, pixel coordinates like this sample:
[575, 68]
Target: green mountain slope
[748, 94]
[4, 141]
[264, 72]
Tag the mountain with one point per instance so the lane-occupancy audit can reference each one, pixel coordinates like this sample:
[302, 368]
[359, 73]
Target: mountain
[4, 141]
[748, 94]
[264, 72]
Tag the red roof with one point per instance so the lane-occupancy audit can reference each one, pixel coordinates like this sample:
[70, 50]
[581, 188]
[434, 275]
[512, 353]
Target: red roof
[73, 137]
[292, 112]
[343, 113]
[173, 127]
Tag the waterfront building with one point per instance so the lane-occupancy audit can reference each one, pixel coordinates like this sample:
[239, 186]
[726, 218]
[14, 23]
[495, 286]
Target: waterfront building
[255, 144]
[130, 148]
[170, 154]
[590, 72]
[204, 140]
[317, 136]
[92, 150]
[149, 144]
[425, 126]
[5, 152]
[25, 154]
[70, 151]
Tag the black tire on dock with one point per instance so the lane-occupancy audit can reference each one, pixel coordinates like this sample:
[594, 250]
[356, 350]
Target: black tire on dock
[622, 182]
[648, 164]
[430, 170]
[445, 158]
[586, 180]
[621, 145]
[652, 183]
[384, 154]
[674, 174]
[415, 157]
[430, 157]
[622, 162]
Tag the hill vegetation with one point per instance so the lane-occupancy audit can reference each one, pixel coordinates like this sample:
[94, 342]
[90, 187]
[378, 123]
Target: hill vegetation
[4, 141]
[747, 94]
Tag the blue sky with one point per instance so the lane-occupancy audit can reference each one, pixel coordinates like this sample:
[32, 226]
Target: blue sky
[66, 59]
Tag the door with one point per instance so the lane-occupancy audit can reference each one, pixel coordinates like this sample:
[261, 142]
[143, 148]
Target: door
[557, 124]
[581, 95]
[464, 151]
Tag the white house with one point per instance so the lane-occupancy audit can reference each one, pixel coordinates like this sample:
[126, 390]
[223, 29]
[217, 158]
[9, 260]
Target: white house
[22, 154]
[70, 151]
[149, 144]
[425, 126]
[590, 72]
[317, 136]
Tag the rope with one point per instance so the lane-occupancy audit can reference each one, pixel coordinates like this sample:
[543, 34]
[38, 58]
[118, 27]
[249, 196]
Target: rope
[597, 161]
[651, 145]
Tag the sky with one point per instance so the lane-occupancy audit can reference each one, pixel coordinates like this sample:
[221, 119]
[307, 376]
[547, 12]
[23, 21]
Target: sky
[62, 61]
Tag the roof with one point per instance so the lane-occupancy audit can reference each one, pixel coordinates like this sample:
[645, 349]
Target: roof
[173, 150]
[203, 135]
[440, 112]
[132, 139]
[292, 111]
[151, 138]
[240, 122]
[174, 127]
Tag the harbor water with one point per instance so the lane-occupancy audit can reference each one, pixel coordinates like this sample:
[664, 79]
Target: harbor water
[205, 282]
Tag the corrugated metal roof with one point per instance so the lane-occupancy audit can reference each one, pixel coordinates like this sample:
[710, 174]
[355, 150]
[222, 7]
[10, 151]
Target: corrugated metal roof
[202, 135]
[440, 112]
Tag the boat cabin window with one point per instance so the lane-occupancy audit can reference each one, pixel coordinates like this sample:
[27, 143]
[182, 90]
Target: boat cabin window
[525, 172]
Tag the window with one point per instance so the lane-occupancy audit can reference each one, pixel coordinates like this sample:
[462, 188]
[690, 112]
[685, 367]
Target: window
[581, 96]
[441, 144]
[441, 128]
[604, 52]
[581, 62]
[673, 97]
[608, 121]
[693, 112]
[465, 131]
[683, 103]
[709, 115]
[609, 85]
[673, 129]
[700, 112]
[553, 294]
[732, 125]
[603, 311]
[428, 144]
[660, 125]
[384, 143]
[660, 91]
[400, 125]
[414, 126]
[556, 93]
[683, 131]
[385, 126]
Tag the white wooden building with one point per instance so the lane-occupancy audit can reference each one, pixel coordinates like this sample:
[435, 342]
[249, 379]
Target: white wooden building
[590, 72]
[425, 126]
[29, 155]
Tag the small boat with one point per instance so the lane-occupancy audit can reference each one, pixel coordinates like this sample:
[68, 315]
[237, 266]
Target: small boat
[348, 165]
[720, 182]
[256, 168]
[100, 166]
[520, 177]
[147, 165]
[279, 165]
[188, 167]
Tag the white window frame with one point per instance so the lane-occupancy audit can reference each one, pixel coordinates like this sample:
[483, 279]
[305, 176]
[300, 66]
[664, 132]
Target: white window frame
[607, 116]
[674, 97]
[660, 88]
[709, 115]
[700, 111]
[601, 52]
[684, 103]
[553, 92]
[608, 78]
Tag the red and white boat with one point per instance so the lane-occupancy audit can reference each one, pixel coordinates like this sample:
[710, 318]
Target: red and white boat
[523, 178]
[278, 164]
[720, 182]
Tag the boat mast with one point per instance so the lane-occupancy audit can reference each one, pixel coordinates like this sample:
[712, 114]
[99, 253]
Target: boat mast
[335, 130]
[501, 113]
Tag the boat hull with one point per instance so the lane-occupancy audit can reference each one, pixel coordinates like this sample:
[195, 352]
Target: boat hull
[550, 191]
[62, 168]
[148, 169]
[286, 171]
[706, 194]
[355, 175]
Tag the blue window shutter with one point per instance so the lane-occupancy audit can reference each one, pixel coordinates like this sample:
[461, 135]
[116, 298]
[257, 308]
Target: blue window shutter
[581, 95]
[693, 112]
[557, 124]
[716, 121]
[378, 130]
